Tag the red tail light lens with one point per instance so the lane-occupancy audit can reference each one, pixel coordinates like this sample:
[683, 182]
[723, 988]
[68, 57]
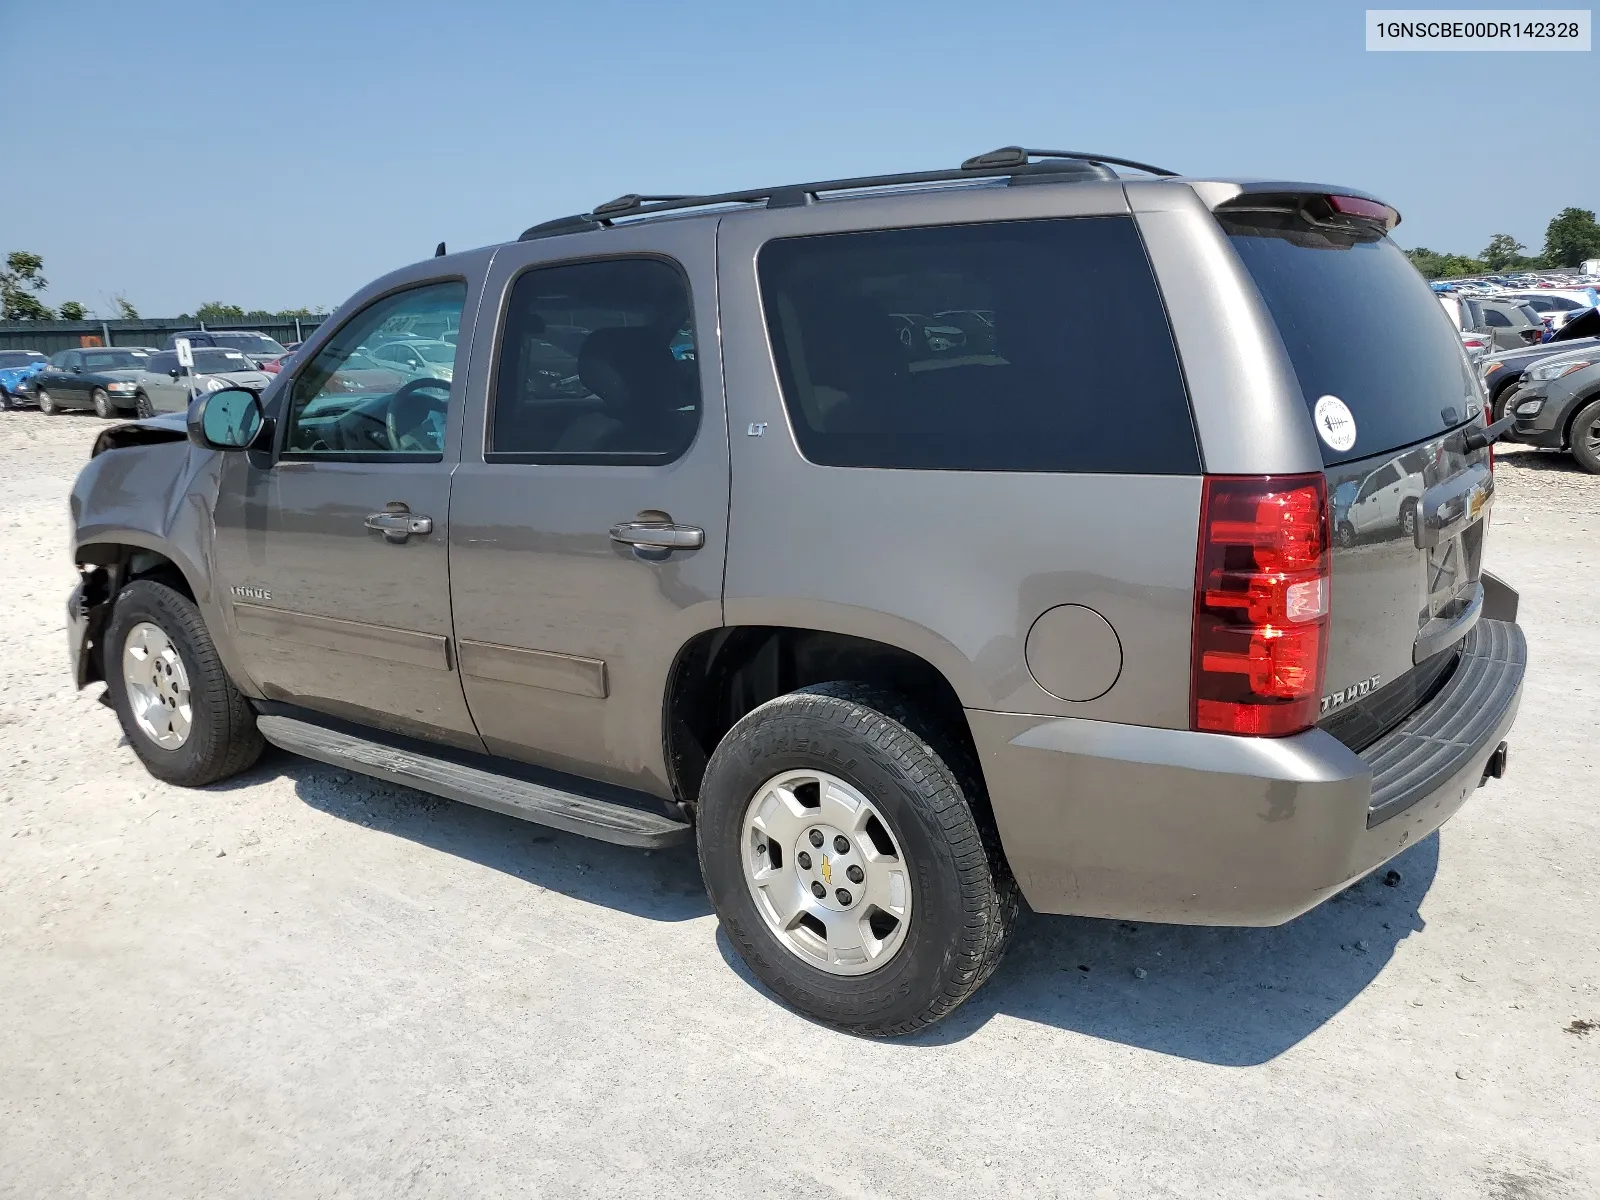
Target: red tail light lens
[1262, 586]
[1367, 210]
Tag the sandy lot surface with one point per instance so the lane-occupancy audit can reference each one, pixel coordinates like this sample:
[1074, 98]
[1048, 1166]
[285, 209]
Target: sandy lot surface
[301, 983]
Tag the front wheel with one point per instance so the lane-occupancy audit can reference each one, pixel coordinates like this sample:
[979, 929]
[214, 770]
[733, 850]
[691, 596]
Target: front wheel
[181, 712]
[1586, 438]
[47, 405]
[141, 406]
[102, 404]
[845, 858]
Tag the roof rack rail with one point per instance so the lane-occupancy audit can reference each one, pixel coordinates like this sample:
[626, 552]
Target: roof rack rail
[1014, 161]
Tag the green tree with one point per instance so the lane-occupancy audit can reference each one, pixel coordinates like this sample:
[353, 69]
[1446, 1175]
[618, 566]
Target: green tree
[1572, 236]
[215, 310]
[20, 285]
[1503, 252]
[73, 311]
[1434, 265]
[125, 308]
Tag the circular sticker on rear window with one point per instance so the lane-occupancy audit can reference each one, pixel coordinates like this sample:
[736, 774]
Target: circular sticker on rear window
[1336, 425]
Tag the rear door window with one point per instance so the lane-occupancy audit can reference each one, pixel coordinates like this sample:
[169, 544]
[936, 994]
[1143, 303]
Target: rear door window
[1010, 346]
[596, 366]
[1361, 324]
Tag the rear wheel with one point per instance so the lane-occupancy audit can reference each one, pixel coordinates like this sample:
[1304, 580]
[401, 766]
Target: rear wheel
[181, 712]
[5, 400]
[1408, 518]
[47, 404]
[847, 862]
[1586, 438]
[102, 404]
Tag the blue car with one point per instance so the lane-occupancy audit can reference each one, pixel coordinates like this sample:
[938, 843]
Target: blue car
[16, 368]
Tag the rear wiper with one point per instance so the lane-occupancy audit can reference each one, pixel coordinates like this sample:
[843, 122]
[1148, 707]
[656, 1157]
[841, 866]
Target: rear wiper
[1477, 439]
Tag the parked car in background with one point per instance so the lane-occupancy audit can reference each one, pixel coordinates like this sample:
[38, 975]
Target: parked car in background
[1557, 406]
[417, 358]
[257, 347]
[164, 386]
[1508, 323]
[1556, 308]
[1501, 372]
[17, 369]
[97, 378]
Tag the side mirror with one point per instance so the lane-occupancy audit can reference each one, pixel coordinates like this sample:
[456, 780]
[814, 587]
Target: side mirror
[228, 419]
[176, 372]
[76, 370]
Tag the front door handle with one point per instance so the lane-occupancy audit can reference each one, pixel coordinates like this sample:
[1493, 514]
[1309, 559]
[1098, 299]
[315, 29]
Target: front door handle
[658, 535]
[397, 525]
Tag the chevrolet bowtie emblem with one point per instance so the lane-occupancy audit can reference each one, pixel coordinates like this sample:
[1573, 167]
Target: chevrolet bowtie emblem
[827, 869]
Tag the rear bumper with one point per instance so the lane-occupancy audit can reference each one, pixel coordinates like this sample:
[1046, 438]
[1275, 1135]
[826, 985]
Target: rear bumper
[1107, 820]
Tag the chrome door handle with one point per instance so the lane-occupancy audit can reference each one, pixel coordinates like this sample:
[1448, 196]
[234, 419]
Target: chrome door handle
[658, 535]
[397, 526]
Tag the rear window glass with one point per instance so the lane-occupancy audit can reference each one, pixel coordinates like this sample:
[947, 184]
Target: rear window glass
[1013, 346]
[1360, 324]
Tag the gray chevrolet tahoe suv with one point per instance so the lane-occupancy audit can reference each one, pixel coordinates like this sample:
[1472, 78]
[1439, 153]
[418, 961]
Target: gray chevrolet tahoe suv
[917, 544]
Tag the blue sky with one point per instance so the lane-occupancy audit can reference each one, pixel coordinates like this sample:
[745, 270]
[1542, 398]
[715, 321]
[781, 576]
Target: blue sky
[282, 154]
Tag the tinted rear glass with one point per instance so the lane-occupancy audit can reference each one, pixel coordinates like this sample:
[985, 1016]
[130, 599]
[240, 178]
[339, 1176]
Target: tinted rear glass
[1360, 324]
[1013, 346]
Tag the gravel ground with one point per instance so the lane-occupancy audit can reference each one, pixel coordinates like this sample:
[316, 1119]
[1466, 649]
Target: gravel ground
[301, 983]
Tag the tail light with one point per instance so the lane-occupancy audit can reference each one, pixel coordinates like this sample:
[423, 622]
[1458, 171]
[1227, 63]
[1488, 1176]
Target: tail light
[1262, 586]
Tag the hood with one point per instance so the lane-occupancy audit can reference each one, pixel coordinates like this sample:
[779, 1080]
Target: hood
[255, 380]
[168, 427]
[1532, 354]
[119, 373]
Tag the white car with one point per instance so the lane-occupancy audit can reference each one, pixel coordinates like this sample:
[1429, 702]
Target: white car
[164, 386]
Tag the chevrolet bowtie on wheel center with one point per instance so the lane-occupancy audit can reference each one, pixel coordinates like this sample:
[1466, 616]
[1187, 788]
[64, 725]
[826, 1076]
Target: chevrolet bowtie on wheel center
[1051, 528]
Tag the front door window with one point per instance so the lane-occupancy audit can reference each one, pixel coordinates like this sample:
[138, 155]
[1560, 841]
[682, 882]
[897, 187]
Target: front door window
[355, 400]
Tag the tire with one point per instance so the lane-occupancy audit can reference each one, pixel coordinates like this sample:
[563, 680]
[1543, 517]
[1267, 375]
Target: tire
[46, 404]
[103, 408]
[1497, 405]
[5, 400]
[141, 406]
[960, 901]
[1408, 518]
[1345, 535]
[1586, 438]
[221, 738]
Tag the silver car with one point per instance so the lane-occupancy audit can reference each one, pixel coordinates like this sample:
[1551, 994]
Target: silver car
[1147, 585]
[164, 386]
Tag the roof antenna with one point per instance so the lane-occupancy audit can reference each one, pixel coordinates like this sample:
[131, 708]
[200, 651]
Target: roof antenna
[439, 253]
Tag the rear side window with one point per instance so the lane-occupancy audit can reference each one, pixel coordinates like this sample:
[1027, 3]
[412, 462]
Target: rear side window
[1012, 346]
[1359, 323]
[597, 366]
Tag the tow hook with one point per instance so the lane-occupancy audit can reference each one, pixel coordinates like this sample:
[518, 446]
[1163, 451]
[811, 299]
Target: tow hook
[1495, 768]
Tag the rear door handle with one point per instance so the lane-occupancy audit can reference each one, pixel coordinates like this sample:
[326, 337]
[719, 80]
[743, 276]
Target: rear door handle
[397, 526]
[658, 535]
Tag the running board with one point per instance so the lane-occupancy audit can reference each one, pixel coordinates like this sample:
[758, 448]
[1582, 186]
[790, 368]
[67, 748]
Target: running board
[606, 820]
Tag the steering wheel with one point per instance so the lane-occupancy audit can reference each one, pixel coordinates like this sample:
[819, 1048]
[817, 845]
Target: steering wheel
[408, 409]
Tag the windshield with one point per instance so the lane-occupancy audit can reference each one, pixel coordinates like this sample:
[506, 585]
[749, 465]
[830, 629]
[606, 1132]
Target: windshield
[116, 360]
[19, 358]
[251, 343]
[213, 362]
[1359, 324]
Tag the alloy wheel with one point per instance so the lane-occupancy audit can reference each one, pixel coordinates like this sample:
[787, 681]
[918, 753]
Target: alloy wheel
[158, 686]
[826, 872]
